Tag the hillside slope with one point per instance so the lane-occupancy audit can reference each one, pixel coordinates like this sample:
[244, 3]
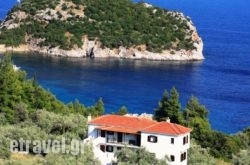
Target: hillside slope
[100, 28]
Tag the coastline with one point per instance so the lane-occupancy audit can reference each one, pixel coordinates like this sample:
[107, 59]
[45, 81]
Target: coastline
[94, 48]
[121, 52]
[19, 49]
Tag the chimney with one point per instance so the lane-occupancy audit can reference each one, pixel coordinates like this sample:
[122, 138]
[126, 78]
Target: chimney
[168, 120]
[89, 118]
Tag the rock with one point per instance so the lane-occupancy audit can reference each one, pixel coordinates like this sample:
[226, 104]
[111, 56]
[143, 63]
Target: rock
[93, 48]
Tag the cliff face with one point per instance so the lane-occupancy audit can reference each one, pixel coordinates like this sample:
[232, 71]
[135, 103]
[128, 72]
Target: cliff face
[95, 47]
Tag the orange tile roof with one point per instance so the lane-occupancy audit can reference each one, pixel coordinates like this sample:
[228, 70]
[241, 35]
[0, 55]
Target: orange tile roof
[130, 124]
[167, 128]
[119, 129]
[123, 121]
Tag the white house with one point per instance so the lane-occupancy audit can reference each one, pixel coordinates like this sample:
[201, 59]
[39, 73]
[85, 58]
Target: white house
[110, 133]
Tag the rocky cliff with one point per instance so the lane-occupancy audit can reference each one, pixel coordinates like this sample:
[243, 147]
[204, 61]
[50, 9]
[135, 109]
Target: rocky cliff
[93, 46]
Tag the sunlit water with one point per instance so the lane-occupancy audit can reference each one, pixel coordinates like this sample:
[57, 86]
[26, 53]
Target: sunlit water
[221, 82]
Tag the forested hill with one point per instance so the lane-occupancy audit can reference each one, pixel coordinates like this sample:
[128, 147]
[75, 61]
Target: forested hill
[30, 112]
[112, 23]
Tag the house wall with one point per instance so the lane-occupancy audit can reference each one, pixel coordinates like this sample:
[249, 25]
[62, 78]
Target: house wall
[164, 147]
[92, 131]
[125, 138]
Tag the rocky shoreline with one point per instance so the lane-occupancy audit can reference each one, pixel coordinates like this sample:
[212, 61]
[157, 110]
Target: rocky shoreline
[93, 49]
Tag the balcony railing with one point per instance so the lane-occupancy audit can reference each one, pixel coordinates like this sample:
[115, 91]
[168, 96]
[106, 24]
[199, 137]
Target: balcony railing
[111, 140]
[124, 142]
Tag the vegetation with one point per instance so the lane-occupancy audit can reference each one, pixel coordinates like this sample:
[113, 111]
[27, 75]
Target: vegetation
[242, 158]
[122, 111]
[195, 116]
[19, 96]
[30, 112]
[140, 156]
[113, 23]
[199, 155]
[169, 107]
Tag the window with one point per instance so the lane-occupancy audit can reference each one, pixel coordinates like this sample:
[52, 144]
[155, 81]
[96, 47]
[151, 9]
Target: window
[119, 148]
[102, 148]
[185, 140]
[172, 140]
[110, 132]
[109, 148]
[183, 156]
[172, 158]
[102, 133]
[152, 139]
[131, 142]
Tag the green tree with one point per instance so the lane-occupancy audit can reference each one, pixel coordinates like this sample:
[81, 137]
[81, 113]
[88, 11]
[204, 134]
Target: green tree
[140, 156]
[20, 113]
[195, 109]
[116, 23]
[161, 112]
[174, 107]
[169, 107]
[199, 155]
[77, 107]
[10, 87]
[4, 146]
[244, 137]
[221, 145]
[242, 158]
[195, 115]
[98, 109]
[122, 111]
[86, 158]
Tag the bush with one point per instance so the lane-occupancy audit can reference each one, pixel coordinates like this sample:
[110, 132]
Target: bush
[114, 23]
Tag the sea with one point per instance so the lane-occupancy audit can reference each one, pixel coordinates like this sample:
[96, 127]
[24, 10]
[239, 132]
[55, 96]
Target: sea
[221, 82]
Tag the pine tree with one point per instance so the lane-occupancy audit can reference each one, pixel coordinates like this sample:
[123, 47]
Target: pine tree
[169, 107]
[10, 87]
[174, 107]
[195, 115]
[99, 107]
[161, 112]
[195, 109]
[122, 111]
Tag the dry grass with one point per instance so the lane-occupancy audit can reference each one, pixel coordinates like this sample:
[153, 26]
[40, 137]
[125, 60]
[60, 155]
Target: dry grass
[26, 159]
[221, 162]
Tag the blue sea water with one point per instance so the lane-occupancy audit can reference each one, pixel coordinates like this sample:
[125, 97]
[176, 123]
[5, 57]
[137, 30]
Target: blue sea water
[221, 82]
[5, 6]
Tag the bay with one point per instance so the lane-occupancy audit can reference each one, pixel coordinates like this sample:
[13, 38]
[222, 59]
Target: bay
[221, 81]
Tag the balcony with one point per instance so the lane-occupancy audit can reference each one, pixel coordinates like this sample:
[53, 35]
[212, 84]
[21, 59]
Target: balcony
[127, 142]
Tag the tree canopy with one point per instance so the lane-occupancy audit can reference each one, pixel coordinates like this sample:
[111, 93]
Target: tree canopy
[19, 96]
[127, 156]
[29, 111]
[169, 107]
[113, 23]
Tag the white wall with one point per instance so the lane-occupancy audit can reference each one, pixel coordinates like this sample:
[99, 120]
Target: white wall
[92, 131]
[164, 147]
